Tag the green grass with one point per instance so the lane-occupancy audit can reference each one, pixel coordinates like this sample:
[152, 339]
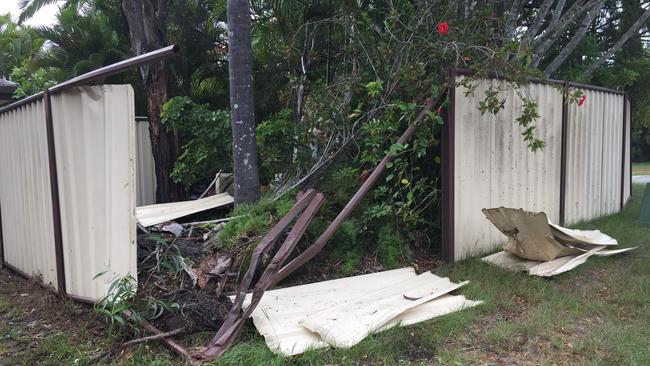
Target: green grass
[641, 168]
[597, 314]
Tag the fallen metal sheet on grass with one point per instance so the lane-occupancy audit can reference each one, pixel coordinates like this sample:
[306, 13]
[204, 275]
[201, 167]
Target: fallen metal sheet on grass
[281, 315]
[574, 236]
[156, 214]
[550, 268]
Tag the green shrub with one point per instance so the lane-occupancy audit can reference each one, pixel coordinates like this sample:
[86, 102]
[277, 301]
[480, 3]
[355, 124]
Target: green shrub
[206, 139]
[390, 250]
[346, 248]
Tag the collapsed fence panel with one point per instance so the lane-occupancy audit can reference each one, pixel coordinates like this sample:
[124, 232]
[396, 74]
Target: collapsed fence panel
[594, 163]
[146, 169]
[25, 193]
[494, 166]
[94, 130]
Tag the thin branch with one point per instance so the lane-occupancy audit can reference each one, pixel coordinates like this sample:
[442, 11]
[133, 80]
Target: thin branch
[153, 337]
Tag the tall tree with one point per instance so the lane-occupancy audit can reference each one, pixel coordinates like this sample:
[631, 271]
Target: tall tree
[146, 22]
[240, 67]
[631, 31]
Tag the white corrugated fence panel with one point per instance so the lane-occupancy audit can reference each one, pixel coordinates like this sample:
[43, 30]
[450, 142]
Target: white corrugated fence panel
[25, 194]
[94, 129]
[146, 170]
[612, 149]
[494, 166]
[594, 157]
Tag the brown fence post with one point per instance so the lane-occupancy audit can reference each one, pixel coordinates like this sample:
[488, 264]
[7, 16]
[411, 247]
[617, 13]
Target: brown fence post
[2, 246]
[54, 187]
[448, 161]
[563, 151]
[624, 152]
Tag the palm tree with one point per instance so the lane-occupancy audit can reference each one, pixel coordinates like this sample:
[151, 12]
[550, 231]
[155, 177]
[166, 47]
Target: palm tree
[240, 66]
[30, 7]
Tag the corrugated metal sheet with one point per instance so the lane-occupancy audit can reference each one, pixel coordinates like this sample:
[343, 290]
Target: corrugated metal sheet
[94, 130]
[494, 167]
[146, 169]
[594, 156]
[25, 195]
[281, 315]
[162, 212]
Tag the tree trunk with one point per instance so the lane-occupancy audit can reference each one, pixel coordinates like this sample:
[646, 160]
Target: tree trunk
[242, 110]
[574, 42]
[550, 35]
[537, 23]
[513, 17]
[617, 46]
[146, 21]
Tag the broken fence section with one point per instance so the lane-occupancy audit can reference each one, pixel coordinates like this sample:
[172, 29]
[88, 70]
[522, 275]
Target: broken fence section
[67, 183]
[582, 172]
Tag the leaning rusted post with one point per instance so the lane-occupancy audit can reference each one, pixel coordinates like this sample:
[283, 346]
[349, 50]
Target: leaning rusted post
[354, 202]
[54, 188]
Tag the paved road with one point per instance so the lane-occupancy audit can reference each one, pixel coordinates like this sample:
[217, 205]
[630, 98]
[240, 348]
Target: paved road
[641, 179]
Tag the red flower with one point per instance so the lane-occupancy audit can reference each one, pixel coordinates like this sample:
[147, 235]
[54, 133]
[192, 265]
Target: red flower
[439, 111]
[582, 100]
[443, 28]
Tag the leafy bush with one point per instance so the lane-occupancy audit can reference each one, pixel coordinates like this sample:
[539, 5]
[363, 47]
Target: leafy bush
[206, 139]
[281, 143]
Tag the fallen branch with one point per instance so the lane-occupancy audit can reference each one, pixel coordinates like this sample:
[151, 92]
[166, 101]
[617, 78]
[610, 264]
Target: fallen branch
[153, 337]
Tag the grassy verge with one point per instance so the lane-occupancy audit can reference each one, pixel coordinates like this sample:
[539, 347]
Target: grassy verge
[596, 314]
[641, 168]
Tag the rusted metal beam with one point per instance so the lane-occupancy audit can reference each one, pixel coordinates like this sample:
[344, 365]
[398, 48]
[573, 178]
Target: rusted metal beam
[227, 337]
[494, 75]
[263, 247]
[54, 188]
[448, 175]
[116, 68]
[318, 245]
[563, 151]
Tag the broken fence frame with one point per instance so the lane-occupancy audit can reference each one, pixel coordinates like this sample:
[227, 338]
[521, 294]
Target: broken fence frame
[147, 58]
[276, 270]
[449, 159]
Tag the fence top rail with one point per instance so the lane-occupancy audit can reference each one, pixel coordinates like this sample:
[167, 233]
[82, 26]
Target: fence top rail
[116, 68]
[494, 75]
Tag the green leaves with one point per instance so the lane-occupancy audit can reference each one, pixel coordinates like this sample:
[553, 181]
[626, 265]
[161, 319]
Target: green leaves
[526, 119]
[207, 137]
[491, 103]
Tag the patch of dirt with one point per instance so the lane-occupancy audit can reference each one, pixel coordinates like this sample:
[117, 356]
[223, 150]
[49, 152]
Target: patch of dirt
[29, 313]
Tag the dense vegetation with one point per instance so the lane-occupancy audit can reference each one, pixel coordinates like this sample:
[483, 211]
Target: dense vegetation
[335, 83]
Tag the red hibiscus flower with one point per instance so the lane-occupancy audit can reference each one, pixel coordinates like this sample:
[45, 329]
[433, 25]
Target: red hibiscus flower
[582, 100]
[443, 28]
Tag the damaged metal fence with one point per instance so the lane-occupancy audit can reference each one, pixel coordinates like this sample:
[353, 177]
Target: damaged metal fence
[583, 171]
[67, 183]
